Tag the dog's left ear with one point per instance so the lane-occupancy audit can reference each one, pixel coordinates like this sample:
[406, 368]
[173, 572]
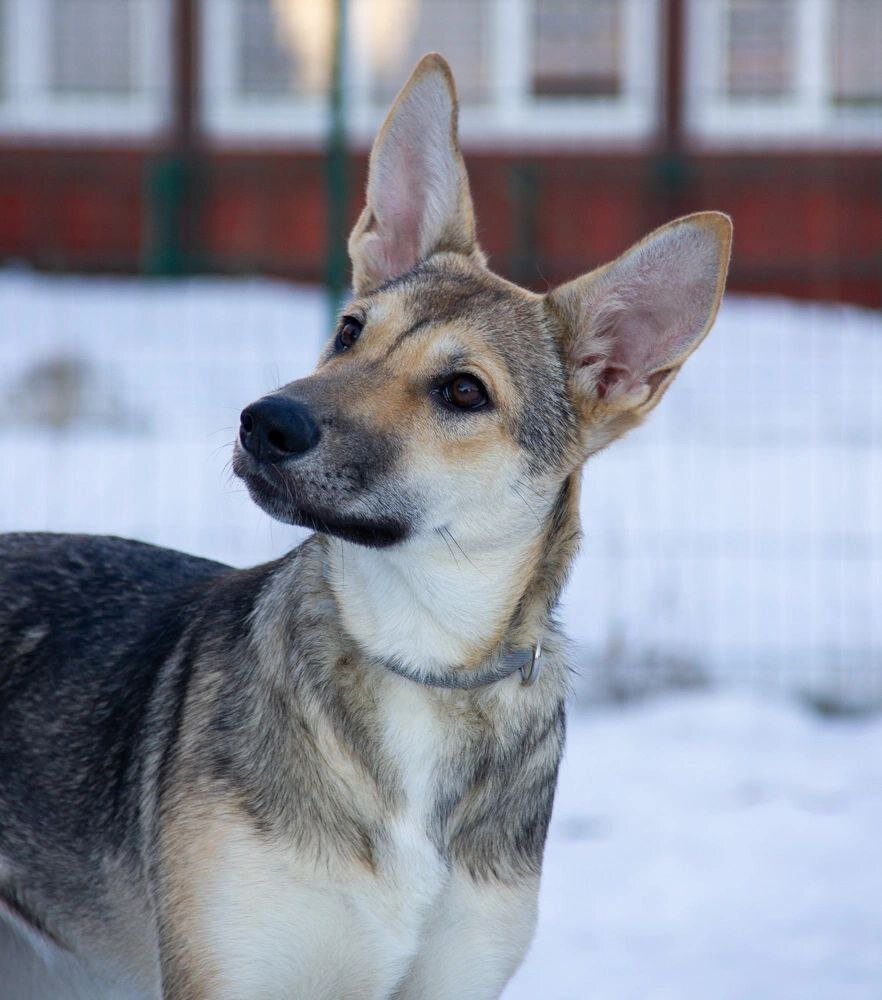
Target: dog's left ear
[629, 326]
[418, 200]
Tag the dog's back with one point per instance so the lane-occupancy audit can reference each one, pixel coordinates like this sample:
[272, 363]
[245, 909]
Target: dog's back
[87, 628]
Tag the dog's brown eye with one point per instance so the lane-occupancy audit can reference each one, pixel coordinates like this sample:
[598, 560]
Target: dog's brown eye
[349, 332]
[464, 392]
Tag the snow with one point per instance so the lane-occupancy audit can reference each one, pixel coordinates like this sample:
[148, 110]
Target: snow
[717, 843]
[712, 845]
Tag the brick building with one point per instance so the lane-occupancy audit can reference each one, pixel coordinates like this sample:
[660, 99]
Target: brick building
[175, 135]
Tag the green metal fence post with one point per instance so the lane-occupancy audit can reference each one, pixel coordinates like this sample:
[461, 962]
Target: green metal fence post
[174, 180]
[336, 168]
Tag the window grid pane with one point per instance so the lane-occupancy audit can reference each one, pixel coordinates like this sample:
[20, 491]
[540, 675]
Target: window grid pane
[4, 41]
[91, 45]
[265, 67]
[857, 52]
[577, 48]
[461, 29]
[761, 51]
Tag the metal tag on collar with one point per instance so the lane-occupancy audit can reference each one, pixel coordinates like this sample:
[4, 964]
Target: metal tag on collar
[530, 671]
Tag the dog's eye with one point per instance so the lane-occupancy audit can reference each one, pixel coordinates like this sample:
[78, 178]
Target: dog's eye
[349, 332]
[465, 392]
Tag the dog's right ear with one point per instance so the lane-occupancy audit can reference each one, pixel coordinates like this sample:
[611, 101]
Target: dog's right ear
[418, 200]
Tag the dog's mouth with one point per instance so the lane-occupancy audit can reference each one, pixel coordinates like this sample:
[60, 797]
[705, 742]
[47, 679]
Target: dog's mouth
[278, 500]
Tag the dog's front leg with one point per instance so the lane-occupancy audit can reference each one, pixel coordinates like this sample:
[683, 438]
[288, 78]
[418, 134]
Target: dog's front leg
[475, 941]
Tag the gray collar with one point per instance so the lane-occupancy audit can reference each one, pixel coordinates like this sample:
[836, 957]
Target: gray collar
[497, 667]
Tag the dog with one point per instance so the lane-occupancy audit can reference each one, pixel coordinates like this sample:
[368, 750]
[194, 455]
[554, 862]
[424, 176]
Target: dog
[331, 776]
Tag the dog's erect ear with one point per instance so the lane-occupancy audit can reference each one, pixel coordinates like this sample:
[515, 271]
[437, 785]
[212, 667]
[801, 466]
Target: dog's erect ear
[629, 326]
[418, 199]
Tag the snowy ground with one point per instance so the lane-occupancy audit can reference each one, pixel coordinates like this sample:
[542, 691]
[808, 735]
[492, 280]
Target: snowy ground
[713, 844]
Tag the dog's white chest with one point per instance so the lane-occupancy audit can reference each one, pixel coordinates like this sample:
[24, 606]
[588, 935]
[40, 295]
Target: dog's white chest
[282, 925]
[414, 743]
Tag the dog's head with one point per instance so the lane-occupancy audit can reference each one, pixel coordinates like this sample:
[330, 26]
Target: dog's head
[450, 400]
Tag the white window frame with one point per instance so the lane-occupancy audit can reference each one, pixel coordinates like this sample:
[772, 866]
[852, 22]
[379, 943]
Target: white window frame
[512, 116]
[806, 117]
[30, 107]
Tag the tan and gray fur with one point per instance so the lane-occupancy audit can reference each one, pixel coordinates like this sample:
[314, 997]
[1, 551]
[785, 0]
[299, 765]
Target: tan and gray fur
[301, 780]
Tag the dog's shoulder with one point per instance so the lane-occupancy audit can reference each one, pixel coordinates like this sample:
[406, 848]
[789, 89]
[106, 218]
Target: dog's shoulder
[86, 626]
[73, 562]
[75, 605]
[89, 581]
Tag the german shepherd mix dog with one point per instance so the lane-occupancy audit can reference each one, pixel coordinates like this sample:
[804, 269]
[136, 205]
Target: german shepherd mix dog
[332, 776]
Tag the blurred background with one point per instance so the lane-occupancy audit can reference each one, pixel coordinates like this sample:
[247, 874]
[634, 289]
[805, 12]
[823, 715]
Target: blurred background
[170, 136]
[177, 179]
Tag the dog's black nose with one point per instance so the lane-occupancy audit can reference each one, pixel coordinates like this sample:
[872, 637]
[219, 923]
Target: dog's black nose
[275, 428]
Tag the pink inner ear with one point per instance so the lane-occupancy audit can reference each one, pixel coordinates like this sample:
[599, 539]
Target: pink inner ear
[646, 338]
[399, 210]
[636, 343]
[657, 304]
[612, 376]
[642, 346]
[414, 181]
[635, 321]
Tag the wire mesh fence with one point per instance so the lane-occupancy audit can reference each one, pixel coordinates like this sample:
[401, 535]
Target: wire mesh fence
[736, 537]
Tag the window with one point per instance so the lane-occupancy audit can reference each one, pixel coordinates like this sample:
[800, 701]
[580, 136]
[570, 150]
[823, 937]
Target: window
[264, 65]
[857, 53]
[759, 52]
[93, 66]
[566, 70]
[91, 48]
[461, 29]
[269, 60]
[785, 71]
[577, 48]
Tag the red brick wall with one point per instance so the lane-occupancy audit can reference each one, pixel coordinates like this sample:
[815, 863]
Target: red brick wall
[805, 225]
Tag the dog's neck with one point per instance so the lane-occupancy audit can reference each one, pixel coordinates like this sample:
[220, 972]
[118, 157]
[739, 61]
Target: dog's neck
[438, 605]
